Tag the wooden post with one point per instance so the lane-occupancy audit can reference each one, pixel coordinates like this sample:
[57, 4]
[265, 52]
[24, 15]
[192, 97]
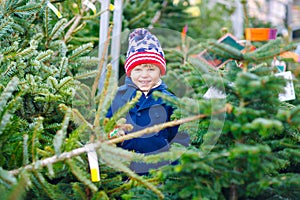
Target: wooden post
[103, 30]
[104, 21]
[237, 19]
[116, 37]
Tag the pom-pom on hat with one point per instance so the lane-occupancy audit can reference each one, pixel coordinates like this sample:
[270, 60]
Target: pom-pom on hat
[144, 48]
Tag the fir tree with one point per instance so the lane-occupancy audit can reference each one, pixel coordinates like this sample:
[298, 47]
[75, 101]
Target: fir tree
[51, 114]
[256, 155]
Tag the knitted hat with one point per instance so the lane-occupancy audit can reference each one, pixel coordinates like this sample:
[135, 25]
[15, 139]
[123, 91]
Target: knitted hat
[144, 48]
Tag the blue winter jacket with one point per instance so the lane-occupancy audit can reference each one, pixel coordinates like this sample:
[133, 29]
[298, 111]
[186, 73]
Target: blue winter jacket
[146, 113]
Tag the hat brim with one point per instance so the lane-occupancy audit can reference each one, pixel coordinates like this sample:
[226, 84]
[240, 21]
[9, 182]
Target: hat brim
[145, 58]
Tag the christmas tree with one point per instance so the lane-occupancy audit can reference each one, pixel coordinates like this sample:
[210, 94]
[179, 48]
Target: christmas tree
[244, 139]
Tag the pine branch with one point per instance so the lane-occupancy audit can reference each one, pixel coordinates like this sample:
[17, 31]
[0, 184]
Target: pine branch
[49, 189]
[76, 152]
[47, 20]
[19, 190]
[268, 50]
[57, 30]
[9, 49]
[85, 48]
[78, 190]
[77, 20]
[137, 18]
[64, 83]
[96, 82]
[159, 127]
[11, 106]
[86, 75]
[81, 175]
[157, 15]
[77, 117]
[5, 25]
[37, 128]
[63, 67]
[121, 167]
[103, 96]
[60, 136]
[119, 153]
[88, 61]
[121, 112]
[234, 53]
[28, 9]
[95, 15]
[28, 52]
[42, 56]
[7, 93]
[7, 177]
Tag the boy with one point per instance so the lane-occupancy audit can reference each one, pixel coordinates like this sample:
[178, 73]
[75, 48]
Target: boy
[144, 66]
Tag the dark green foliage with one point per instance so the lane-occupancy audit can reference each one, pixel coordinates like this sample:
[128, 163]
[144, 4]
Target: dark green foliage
[139, 13]
[256, 152]
[245, 146]
[37, 68]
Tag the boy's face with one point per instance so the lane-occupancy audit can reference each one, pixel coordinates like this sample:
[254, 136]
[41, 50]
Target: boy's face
[145, 76]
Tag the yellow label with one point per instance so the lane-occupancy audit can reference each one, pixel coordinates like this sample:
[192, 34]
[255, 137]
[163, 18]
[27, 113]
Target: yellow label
[54, 9]
[111, 7]
[95, 175]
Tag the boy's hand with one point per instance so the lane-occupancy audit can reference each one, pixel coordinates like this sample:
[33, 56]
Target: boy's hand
[115, 133]
[120, 129]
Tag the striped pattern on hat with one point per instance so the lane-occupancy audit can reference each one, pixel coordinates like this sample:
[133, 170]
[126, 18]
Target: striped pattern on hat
[144, 48]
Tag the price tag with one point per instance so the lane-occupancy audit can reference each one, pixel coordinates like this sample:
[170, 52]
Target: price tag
[54, 9]
[289, 91]
[214, 93]
[94, 165]
[90, 5]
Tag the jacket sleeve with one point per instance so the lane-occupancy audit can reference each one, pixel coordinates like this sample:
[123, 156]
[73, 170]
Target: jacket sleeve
[109, 113]
[174, 136]
[115, 104]
[172, 131]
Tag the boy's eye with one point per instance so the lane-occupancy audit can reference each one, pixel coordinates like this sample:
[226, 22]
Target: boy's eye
[151, 69]
[137, 69]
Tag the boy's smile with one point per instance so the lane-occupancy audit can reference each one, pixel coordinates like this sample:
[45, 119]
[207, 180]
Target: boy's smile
[145, 76]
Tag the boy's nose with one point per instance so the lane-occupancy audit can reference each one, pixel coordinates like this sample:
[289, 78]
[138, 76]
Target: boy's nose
[144, 73]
